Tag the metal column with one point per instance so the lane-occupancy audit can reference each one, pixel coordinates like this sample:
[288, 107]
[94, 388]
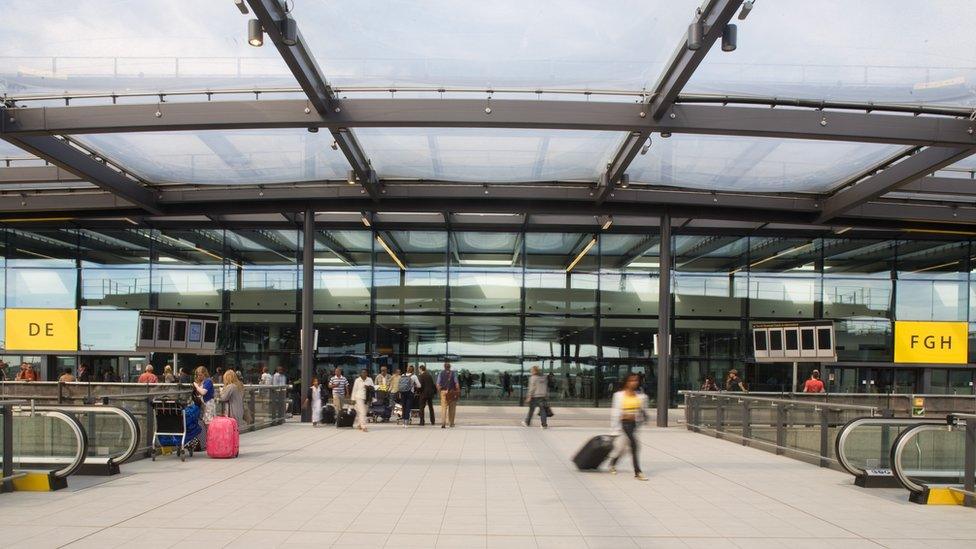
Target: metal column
[308, 292]
[664, 324]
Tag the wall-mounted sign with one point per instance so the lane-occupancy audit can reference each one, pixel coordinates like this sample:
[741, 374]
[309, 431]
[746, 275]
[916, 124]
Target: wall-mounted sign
[177, 332]
[41, 330]
[811, 341]
[931, 342]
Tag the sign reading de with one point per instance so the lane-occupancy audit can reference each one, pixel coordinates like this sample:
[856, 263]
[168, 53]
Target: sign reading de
[41, 330]
[931, 342]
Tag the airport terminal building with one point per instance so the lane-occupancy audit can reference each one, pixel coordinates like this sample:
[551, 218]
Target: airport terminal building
[327, 203]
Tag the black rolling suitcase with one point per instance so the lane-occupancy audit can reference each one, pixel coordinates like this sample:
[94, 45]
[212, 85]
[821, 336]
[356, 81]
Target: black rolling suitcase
[593, 453]
[346, 418]
[328, 414]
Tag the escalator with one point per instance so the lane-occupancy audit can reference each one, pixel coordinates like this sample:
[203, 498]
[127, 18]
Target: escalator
[936, 461]
[43, 445]
[863, 448]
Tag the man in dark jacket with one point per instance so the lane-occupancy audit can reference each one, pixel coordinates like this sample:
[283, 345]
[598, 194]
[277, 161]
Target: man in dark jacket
[427, 392]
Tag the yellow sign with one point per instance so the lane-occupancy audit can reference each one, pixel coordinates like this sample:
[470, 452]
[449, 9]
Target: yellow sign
[42, 330]
[931, 342]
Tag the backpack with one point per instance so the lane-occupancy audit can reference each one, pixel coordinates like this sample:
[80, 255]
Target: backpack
[406, 384]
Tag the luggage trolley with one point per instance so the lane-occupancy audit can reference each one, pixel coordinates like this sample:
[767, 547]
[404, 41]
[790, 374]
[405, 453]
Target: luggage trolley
[170, 428]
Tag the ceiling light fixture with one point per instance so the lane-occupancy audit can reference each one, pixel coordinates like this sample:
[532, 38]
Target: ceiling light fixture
[351, 177]
[624, 181]
[255, 34]
[335, 146]
[646, 147]
[486, 262]
[842, 230]
[746, 8]
[241, 6]
[390, 251]
[582, 253]
[696, 32]
[729, 37]
[607, 222]
[365, 219]
[289, 31]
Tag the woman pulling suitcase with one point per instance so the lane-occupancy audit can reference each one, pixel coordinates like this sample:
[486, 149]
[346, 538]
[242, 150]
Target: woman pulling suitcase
[628, 411]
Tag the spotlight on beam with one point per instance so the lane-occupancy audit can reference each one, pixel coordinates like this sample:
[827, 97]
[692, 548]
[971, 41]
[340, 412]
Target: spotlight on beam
[729, 37]
[255, 34]
[746, 8]
[289, 31]
[241, 6]
[695, 35]
[646, 147]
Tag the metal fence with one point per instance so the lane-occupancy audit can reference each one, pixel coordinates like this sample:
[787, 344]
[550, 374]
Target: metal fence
[804, 430]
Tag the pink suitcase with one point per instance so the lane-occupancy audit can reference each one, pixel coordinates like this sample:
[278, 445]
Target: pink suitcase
[223, 438]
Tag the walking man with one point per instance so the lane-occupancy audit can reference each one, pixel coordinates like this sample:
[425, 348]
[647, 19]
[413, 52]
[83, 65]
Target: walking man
[450, 392]
[338, 384]
[428, 390]
[537, 396]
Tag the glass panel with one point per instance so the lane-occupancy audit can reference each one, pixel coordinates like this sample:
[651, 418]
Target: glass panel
[858, 258]
[223, 157]
[407, 337]
[503, 378]
[41, 288]
[188, 287]
[779, 54]
[485, 336]
[856, 297]
[146, 45]
[485, 272]
[709, 295]
[754, 164]
[547, 44]
[342, 342]
[931, 300]
[554, 337]
[343, 276]
[488, 155]
[108, 329]
[863, 340]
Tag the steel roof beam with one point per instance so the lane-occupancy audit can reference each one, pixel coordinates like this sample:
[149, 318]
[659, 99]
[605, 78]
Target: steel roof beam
[63, 155]
[959, 186]
[310, 77]
[35, 174]
[868, 127]
[922, 163]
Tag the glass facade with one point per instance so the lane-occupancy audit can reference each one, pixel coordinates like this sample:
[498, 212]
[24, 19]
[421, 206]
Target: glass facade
[581, 306]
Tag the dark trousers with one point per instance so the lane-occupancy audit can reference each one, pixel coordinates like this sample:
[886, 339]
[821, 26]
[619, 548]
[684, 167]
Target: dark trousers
[406, 400]
[630, 431]
[537, 402]
[426, 401]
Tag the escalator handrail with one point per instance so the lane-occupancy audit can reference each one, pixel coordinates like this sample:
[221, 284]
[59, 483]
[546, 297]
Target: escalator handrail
[898, 448]
[127, 417]
[844, 432]
[81, 438]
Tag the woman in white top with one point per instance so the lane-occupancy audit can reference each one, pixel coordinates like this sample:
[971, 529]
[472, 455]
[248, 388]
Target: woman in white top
[627, 412]
[359, 397]
[313, 397]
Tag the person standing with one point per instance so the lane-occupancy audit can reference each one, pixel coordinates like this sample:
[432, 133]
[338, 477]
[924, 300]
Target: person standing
[66, 377]
[264, 378]
[709, 384]
[507, 384]
[814, 384]
[232, 394]
[450, 392]
[484, 379]
[408, 384]
[359, 396]
[395, 384]
[627, 412]
[148, 376]
[26, 373]
[313, 398]
[382, 381]
[537, 396]
[279, 377]
[733, 382]
[84, 373]
[168, 376]
[338, 384]
[428, 390]
[184, 377]
[204, 387]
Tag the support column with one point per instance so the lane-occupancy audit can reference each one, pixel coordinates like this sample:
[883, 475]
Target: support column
[664, 324]
[308, 293]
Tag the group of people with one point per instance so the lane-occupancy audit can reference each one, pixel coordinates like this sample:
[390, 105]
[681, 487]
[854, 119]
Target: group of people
[406, 388]
[734, 383]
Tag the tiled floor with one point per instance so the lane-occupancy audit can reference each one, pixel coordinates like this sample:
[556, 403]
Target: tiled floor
[471, 487]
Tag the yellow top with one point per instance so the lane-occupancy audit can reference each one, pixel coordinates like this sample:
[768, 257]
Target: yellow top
[631, 405]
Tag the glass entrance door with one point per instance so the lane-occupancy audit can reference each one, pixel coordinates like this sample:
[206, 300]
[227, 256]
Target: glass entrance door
[893, 380]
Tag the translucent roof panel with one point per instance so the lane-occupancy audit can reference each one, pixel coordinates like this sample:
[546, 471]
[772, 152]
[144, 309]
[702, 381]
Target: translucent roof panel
[620, 44]
[754, 164]
[488, 155]
[90, 46]
[896, 51]
[223, 157]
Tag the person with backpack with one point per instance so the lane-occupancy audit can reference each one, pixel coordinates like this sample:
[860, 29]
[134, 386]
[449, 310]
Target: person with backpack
[408, 384]
[450, 392]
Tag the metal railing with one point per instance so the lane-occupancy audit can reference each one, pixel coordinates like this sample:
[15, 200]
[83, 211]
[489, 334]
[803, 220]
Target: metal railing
[104, 454]
[938, 455]
[798, 429]
[863, 448]
[19, 419]
[265, 404]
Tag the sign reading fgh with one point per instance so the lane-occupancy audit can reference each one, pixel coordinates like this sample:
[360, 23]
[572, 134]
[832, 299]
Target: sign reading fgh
[931, 342]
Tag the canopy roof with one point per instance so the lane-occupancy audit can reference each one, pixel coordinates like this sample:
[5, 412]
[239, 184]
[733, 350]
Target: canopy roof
[824, 114]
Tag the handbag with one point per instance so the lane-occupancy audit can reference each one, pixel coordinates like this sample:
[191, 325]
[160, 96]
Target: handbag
[549, 411]
[209, 411]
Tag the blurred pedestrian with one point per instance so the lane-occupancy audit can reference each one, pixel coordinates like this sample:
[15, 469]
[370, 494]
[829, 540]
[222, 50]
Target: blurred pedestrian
[148, 376]
[359, 396]
[627, 412]
[409, 383]
[537, 396]
[426, 393]
[168, 375]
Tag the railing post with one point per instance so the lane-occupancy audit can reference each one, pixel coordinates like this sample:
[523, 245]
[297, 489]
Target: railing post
[697, 413]
[8, 447]
[719, 417]
[780, 429]
[150, 423]
[250, 403]
[969, 465]
[746, 423]
[824, 437]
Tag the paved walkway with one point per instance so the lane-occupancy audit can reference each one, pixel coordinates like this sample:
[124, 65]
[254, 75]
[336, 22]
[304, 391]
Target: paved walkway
[475, 487]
